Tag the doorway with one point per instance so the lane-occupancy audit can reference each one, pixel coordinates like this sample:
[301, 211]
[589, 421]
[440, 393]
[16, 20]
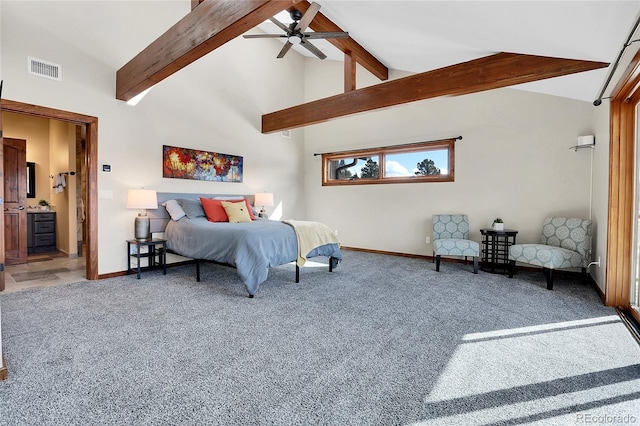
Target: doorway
[89, 127]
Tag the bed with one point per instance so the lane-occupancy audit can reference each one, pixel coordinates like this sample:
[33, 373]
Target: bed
[252, 247]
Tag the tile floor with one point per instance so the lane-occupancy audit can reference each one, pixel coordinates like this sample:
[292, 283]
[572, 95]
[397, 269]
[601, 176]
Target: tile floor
[44, 270]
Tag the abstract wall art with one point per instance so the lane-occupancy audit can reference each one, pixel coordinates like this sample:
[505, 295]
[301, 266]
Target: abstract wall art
[186, 163]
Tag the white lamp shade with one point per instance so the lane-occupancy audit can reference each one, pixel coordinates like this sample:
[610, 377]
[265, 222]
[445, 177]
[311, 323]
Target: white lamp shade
[142, 199]
[263, 199]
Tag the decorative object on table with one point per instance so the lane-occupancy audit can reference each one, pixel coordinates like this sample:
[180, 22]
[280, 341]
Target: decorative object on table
[185, 163]
[44, 205]
[263, 199]
[451, 237]
[564, 243]
[498, 224]
[142, 199]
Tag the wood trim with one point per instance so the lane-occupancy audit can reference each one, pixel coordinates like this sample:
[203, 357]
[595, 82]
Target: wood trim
[208, 26]
[2, 248]
[347, 45]
[491, 72]
[4, 371]
[91, 124]
[448, 144]
[619, 271]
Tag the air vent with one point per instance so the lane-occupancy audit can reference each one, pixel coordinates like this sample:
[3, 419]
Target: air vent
[286, 133]
[43, 68]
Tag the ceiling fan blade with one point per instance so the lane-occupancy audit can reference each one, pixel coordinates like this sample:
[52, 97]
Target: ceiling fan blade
[282, 26]
[319, 35]
[265, 36]
[285, 49]
[311, 48]
[308, 17]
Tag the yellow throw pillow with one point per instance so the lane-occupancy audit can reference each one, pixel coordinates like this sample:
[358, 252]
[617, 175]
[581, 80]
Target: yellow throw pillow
[237, 212]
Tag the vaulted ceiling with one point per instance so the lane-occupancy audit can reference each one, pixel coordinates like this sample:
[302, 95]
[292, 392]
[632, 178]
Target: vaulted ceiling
[447, 39]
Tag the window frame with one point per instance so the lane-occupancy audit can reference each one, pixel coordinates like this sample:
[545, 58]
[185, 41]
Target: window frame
[381, 153]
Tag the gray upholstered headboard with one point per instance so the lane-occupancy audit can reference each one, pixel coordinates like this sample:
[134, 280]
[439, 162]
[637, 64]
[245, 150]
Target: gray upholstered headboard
[159, 217]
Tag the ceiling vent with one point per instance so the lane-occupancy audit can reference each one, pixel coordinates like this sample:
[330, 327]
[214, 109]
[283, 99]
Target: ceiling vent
[43, 68]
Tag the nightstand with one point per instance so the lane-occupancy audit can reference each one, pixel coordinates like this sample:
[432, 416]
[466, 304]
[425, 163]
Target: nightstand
[495, 249]
[154, 249]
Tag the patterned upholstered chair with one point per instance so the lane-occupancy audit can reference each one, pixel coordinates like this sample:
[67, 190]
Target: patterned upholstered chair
[564, 243]
[451, 238]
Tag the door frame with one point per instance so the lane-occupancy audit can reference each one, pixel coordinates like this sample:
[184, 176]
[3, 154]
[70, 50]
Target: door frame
[91, 160]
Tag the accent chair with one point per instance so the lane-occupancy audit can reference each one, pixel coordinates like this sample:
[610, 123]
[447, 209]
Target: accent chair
[564, 243]
[451, 238]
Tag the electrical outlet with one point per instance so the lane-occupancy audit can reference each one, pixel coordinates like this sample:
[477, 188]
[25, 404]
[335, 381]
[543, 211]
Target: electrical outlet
[427, 240]
[336, 232]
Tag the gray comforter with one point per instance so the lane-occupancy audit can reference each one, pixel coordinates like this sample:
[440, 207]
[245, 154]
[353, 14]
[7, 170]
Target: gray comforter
[252, 247]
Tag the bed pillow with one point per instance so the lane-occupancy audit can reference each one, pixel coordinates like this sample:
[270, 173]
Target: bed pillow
[174, 209]
[215, 212]
[192, 208]
[237, 212]
[252, 213]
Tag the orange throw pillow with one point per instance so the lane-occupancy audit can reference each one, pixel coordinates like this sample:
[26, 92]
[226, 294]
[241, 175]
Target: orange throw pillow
[215, 212]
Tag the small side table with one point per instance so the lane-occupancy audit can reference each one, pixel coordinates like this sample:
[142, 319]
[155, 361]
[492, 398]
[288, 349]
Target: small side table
[495, 249]
[156, 249]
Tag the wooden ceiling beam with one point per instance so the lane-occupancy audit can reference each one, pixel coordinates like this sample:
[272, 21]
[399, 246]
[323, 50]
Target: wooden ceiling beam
[491, 72]
[208, 26]
[347, 45]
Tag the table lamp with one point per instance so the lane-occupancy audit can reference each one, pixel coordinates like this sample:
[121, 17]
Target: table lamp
[263, 199]
[142, 199]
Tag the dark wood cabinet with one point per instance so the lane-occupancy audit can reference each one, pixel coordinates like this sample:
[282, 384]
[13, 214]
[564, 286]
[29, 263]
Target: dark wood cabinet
[41, 232]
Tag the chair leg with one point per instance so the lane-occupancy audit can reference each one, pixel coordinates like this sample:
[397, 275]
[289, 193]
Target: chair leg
[433, 258]
[549, 274]
[465, 260]
[585, 276]
[475, 264]
[438, 263]
[512, 268]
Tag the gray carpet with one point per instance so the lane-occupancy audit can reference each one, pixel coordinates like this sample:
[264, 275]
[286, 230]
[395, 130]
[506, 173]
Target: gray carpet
[383, 340]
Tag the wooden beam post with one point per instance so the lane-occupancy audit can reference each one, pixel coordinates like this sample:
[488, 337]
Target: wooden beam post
[208, 26]
[491, 72]
[349, 72]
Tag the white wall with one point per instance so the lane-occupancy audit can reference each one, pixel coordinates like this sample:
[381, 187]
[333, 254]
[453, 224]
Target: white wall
[514, 162]
[214, 104]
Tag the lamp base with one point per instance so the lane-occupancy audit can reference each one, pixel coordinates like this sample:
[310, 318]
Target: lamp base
[142, 228]
[263, 214]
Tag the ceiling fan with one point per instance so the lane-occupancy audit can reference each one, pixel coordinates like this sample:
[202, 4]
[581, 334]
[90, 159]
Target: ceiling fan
[295, 32]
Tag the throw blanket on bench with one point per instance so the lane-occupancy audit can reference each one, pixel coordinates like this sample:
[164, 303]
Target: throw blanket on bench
[311, 235]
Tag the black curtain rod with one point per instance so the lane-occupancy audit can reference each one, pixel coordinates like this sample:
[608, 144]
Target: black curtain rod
[457, 138]
[628, 43]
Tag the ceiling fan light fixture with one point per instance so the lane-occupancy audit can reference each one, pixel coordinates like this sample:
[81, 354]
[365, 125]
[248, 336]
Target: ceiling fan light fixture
[294, 39]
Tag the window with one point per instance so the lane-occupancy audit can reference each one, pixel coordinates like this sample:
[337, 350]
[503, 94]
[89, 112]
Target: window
[420, 162]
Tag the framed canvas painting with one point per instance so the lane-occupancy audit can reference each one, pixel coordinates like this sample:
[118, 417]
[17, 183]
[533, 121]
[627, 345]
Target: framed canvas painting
[186, 163]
